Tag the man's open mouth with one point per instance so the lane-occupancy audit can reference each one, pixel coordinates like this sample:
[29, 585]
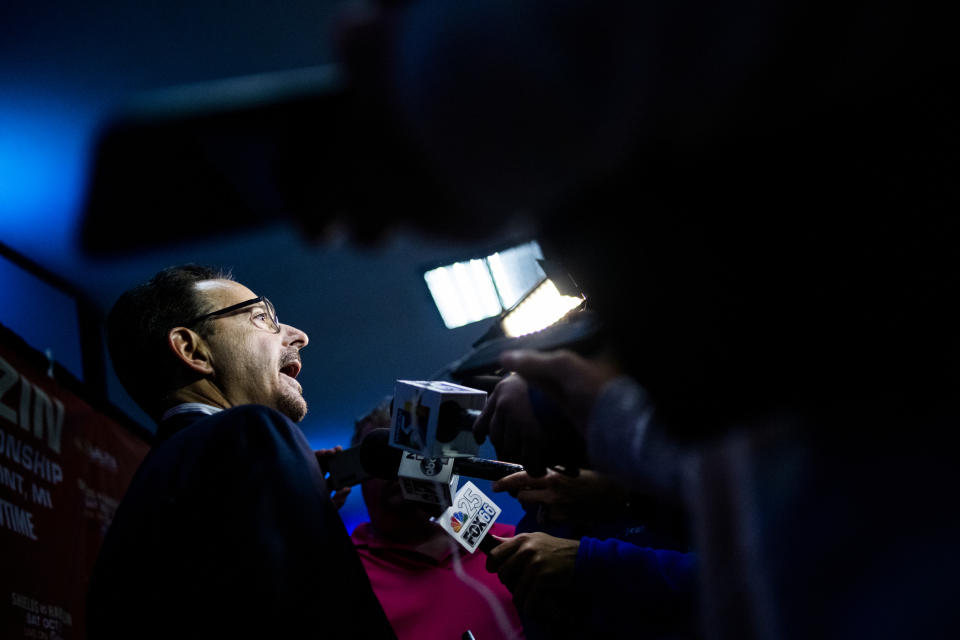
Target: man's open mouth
[291, 366]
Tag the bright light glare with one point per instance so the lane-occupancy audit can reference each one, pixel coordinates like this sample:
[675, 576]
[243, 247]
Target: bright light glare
[440, 283]
[463, 292]
[477, 289]
[516, 271]
[483, 299]
[541, 309]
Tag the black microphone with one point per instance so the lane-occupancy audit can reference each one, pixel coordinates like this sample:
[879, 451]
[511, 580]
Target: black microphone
[483, 468]
[454, 419]
[488, 544]
[372, 458]
[375, 458]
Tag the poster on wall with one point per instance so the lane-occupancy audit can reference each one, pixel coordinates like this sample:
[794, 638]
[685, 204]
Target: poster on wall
[64, 466]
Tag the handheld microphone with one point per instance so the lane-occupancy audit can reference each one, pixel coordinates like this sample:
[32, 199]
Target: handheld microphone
[429, 480]
[434, 418]
[374, 457]
[488, 544]
[484, 469]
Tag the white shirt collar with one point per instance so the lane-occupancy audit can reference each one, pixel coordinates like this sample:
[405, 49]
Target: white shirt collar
[190, 407]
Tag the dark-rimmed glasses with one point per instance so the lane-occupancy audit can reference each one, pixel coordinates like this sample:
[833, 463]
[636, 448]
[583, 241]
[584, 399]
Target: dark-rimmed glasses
[266, 319]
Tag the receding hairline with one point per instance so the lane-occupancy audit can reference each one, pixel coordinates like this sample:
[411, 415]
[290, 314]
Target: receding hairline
[218, 285]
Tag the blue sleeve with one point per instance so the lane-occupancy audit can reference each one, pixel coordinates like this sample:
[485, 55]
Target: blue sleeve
[631, 586]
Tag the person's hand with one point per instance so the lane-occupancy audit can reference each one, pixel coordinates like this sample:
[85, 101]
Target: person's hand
[339, 497]
[563, 498]
[565, 385]
[538, 570]
[571, 381]
[508, 419]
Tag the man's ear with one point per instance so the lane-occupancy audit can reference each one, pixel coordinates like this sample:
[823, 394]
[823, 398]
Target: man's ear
[191, 349]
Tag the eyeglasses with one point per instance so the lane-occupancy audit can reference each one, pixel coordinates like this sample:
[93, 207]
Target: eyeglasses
[265, 319]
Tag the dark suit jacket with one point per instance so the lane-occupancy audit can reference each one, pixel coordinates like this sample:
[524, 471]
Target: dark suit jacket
[227, 530]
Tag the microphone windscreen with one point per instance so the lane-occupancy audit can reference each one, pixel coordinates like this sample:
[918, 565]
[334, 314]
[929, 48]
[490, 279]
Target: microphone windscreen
[377, 457]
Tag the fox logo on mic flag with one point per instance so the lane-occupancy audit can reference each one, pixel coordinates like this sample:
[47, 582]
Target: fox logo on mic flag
[470, 518]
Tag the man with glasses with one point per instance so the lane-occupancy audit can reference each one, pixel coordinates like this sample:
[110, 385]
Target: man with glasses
[227, 529]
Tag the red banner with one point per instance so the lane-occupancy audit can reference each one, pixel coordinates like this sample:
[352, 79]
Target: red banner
[64, 467]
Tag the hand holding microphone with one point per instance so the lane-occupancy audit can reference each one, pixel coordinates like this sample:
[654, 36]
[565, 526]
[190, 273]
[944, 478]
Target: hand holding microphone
[538, 570]
[375, 458]
[539, 414]
[560, 498]
[341, 492]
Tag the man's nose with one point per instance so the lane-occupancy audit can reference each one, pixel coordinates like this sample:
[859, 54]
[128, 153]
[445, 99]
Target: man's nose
[294, 337]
